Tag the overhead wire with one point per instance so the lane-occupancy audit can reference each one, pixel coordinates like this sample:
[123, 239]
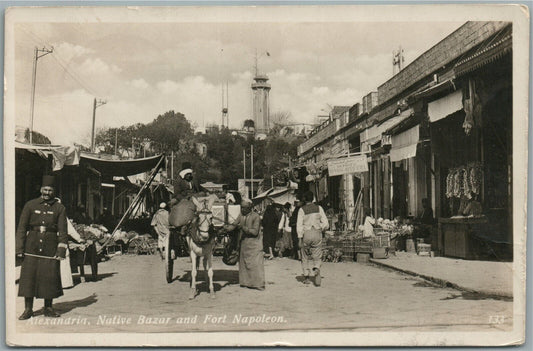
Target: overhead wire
[76, 77]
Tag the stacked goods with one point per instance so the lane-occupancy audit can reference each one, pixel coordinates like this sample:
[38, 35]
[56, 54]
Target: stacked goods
[332, 254]
[142, 244]
[124, 236]
[93, 233]
[464, 181]
[348, 250]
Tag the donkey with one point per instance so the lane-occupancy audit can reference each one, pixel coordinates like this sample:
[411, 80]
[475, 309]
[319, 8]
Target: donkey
[201, 241]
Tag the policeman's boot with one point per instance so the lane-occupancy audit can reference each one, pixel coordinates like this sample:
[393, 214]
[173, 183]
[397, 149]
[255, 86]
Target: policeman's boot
[28, 309]
[48, 310]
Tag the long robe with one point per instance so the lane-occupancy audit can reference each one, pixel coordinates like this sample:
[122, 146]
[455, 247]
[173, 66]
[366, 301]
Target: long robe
[40, 277]
[251, 261]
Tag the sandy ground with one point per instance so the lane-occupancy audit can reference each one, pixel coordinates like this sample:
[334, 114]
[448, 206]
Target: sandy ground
[133, 296]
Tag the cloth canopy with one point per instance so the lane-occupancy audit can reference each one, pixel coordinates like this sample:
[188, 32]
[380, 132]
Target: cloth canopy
[445, 106]
[404, 144]
[373, 134]
[212, 186]
[277, 195]
[109, 168]
[61, 155]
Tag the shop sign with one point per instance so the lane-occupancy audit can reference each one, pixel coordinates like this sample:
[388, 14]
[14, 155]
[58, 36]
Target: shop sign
[352, 164]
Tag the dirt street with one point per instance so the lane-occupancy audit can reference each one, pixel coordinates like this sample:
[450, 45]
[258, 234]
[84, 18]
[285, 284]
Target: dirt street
[133, 296]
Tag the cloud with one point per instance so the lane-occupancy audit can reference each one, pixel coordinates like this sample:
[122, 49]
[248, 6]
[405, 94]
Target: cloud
[67, 51]
[139, 84]
[144, 70]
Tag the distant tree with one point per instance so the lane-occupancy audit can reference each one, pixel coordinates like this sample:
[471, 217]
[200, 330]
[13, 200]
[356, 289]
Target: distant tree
[170, 131]
[37, 138]
[279, 120]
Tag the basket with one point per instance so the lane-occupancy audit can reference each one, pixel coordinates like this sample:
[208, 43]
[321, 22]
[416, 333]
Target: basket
[382, 240]
[424, 249]
[348, 250]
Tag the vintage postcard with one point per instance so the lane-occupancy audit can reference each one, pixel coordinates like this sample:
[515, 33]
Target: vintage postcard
[266, 175]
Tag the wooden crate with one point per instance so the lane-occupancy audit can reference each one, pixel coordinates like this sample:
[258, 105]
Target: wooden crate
[382, 240]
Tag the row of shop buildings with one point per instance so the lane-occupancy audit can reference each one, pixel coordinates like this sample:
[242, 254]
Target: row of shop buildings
[98, 188]
[440, 129]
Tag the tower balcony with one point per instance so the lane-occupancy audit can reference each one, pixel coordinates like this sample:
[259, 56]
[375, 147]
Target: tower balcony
[261, 85]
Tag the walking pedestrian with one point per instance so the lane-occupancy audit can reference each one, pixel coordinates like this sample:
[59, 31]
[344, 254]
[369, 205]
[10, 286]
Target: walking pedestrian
[311, 222]
[41, 241]
[161, 227]
[270, 229]
[284, 228]
[294, 235]
[251, 261]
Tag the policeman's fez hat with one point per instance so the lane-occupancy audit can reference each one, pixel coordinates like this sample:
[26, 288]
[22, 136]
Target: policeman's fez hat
[49, 180]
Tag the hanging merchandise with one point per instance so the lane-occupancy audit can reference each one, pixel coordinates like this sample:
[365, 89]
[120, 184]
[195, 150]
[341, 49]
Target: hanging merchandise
[449, 183]
[464, 181]
[475, 177]
[472, 107]
[457, 183]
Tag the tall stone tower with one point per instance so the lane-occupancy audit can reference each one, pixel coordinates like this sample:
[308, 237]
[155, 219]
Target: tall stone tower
[261, 104]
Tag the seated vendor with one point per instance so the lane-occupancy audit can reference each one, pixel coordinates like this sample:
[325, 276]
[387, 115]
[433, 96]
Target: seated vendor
[423, 222]
[473, 208]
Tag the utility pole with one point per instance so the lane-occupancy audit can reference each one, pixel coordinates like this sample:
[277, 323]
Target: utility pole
[116, 140]
[244, 165]
[172, 165]
[33, 82]
[252, 171]
[95, 105]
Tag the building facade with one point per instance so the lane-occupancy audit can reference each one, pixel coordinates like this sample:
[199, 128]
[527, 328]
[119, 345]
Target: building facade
[441, 130]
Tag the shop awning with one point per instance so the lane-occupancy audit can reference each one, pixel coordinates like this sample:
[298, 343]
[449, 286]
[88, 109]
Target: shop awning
[373, 134]
[110, 168]
[404, 144]
[447, 85]
[489, 51]
[445, 106]
[62, 155]
[271, 193]
[212, 186]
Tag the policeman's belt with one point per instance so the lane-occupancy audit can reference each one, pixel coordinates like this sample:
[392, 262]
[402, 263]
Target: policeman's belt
[43, 228]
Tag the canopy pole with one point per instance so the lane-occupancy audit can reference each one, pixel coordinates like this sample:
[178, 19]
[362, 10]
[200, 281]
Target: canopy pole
[138, 196]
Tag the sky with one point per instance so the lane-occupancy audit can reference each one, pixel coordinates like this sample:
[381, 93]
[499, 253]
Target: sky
[143, 70]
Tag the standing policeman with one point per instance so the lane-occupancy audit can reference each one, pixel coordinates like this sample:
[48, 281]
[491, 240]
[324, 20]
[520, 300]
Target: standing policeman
[41, 240]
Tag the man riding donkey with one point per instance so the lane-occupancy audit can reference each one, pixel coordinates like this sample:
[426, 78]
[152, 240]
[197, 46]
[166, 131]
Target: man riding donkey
[191, 214]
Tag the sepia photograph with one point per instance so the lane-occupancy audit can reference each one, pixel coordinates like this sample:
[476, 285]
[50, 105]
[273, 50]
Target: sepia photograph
[318, 175]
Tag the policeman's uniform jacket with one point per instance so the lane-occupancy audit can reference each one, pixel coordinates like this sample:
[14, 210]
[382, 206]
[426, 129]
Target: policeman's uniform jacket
[42, 231]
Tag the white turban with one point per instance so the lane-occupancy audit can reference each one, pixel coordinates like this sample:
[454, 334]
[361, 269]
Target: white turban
[185, 172]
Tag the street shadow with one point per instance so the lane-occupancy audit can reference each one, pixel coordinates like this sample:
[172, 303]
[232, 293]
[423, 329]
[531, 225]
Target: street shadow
[67, 306]
[300, 278]
[88, 278]
[229, 277]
